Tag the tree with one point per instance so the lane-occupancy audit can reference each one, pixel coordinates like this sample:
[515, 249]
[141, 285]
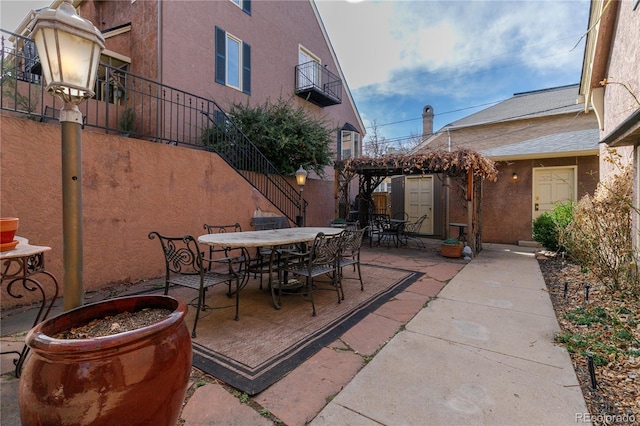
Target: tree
[375, 145]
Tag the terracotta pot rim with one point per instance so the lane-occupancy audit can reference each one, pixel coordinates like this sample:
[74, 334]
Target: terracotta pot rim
[39, 337]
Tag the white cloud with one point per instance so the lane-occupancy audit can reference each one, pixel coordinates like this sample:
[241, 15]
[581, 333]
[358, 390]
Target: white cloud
[400, 42]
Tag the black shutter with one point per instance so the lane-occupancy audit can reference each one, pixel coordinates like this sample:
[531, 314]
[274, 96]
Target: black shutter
[246, 6]
[339, 145]
[246, 68]
[221, 55]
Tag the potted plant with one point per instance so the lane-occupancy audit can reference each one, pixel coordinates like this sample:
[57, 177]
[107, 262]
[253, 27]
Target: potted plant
[451, 247]
[126, 121]
[138, 373]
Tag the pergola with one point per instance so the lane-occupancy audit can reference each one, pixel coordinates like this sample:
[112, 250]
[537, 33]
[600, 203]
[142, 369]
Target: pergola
[465, 166]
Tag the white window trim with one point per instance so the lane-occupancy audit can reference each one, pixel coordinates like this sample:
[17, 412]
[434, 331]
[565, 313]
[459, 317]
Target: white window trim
[228, 73]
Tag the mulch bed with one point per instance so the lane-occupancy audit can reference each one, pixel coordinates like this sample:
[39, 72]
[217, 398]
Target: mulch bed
[607, 327]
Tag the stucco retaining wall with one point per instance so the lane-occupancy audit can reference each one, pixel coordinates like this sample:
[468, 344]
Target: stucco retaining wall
[130, 187]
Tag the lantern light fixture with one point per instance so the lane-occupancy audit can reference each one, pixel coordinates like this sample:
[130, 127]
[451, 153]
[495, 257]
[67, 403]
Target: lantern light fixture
[301, 177]
[301, 180]
[69, 48]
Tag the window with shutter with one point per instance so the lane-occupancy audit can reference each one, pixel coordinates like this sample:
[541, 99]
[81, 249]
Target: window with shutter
[233, 61]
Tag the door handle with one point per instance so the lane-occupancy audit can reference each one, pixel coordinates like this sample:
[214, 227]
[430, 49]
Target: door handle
[537, 206]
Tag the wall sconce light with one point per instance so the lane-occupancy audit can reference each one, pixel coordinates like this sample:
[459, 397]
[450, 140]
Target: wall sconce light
[514, 177]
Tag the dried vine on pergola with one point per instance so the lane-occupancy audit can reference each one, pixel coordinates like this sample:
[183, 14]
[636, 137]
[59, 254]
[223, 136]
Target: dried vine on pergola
[461, 163]
[454, 163]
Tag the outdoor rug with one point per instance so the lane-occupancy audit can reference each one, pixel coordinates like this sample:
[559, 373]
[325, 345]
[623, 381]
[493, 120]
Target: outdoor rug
[265, 344]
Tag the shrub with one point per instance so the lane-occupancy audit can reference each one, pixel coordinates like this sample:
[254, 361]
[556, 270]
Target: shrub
[600, 235]
[547, 226]
[289, 137]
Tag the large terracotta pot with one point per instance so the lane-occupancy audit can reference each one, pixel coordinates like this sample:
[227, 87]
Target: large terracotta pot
[133, 378]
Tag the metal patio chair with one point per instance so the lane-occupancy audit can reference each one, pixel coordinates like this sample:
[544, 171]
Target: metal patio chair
[186, 266]
[412, 231]
[350, 254]
[217, 229]
[321, 259]
[262, 263]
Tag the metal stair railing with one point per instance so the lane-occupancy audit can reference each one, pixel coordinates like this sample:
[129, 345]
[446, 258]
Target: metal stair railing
[129, 104]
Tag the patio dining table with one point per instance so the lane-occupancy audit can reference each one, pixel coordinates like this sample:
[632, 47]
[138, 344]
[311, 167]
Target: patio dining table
[272, 238]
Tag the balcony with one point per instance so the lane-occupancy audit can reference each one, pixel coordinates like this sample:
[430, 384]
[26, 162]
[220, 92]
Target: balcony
[318, 85]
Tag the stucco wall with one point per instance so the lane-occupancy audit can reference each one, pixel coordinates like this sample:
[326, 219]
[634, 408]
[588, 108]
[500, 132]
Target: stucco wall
[620, 101]
[130, 187]
[275, 30]
[623, 68]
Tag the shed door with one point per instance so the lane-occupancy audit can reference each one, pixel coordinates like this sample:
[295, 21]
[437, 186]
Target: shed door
[419, 200]
[552, 185]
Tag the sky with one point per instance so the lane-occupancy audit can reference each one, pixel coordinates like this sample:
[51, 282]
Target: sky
[457, 56]
[460, 57]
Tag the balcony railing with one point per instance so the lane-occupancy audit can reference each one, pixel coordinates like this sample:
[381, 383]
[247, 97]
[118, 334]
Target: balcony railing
[318, 85]
[129, 104]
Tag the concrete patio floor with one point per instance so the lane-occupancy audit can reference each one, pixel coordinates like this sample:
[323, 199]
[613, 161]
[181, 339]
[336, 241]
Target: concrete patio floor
[395, 365]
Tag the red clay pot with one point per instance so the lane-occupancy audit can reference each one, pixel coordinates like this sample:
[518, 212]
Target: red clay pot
[8, 228]
[134, 378]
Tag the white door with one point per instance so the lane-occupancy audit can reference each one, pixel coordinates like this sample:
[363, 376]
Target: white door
[419, 200]
[552, 185]
[308, 76]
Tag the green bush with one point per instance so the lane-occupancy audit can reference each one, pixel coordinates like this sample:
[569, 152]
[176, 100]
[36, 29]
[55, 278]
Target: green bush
[287, 135]
[547, 226]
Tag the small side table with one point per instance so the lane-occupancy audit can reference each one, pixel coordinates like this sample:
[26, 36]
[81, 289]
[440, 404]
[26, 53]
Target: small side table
[462, 236]
[18, 266]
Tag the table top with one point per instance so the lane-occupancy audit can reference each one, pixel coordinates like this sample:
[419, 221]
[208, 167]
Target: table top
[457, 224]
[266, 238]
[23, 249]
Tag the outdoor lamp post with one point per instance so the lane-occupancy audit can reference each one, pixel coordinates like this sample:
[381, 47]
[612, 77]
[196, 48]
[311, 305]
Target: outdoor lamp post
[69, 48]
[301, 180]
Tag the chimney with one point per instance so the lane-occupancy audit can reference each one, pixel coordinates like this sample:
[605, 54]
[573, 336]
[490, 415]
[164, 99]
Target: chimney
[427, 122]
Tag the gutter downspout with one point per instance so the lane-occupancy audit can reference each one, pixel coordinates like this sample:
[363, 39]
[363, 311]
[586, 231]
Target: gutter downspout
[446, 194]
[159, 76]
[159, 59]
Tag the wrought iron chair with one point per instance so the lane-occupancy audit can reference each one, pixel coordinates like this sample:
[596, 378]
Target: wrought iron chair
[321, 259]
[262, 263]
[185, 265]
[219, 229]
[379, 223]
[412, 231]
[350, 254]
[384, 229]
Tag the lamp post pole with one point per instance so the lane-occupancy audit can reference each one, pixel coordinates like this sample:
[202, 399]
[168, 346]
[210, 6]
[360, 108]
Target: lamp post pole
[69, 49]
[70, 123]
[301, 208]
